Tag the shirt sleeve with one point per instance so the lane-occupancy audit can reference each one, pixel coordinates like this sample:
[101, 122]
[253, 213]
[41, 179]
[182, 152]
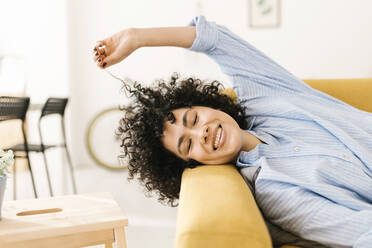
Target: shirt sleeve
[243, 63]
[313, 217]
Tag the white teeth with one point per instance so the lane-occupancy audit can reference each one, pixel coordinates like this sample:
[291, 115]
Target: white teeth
[218, 136]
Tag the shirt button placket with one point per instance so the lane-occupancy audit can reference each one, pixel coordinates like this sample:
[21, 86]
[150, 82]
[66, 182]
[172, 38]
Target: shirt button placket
[296, 149]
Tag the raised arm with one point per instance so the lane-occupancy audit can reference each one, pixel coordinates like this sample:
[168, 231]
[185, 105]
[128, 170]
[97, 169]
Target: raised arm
[114, 49]
[252, 72]
[166, 36]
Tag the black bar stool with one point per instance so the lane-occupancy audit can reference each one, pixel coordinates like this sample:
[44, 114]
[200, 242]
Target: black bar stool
[52, 106]
[57, 106]
[13, 108]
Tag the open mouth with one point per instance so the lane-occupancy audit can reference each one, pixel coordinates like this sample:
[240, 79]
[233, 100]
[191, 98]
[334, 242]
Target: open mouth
[218, 138]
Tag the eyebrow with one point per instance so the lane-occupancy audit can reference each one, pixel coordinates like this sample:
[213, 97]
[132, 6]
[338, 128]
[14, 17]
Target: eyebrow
[184, 122]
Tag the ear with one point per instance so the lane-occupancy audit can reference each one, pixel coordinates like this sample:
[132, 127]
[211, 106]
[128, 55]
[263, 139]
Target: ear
[230, 93]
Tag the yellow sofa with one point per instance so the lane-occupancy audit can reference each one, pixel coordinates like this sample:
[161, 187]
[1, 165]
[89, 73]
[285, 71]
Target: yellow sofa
[216, 207]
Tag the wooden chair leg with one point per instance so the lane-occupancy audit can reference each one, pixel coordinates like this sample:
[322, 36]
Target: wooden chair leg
[108, 245]
[119, 234]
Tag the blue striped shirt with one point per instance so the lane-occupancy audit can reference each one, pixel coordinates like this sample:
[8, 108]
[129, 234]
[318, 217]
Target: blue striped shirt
[313, 177]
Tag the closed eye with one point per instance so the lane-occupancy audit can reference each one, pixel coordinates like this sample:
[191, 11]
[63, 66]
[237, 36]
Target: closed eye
[196, 117]
[190, 141]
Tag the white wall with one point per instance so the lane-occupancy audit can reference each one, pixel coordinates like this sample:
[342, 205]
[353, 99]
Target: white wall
[316, 39]
[35, 33]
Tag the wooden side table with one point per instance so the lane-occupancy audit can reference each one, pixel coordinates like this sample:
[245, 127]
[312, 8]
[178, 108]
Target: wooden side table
[63, 221]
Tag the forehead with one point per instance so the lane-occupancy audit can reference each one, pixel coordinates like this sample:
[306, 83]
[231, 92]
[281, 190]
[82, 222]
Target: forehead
[178, 115]
[180, 111]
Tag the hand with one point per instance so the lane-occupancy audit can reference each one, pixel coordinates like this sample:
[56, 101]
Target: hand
[114, 49]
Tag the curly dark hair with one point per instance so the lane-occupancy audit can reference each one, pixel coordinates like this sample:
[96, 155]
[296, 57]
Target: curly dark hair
[141, 129]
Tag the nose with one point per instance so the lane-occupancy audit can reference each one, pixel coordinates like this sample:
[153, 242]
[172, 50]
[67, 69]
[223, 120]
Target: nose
[204, 135]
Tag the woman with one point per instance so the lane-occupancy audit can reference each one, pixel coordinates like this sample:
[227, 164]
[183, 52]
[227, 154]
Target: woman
[307, 155]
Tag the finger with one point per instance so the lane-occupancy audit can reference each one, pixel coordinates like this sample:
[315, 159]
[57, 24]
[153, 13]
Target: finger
[99, 64]
[95, 56]
[101, 61]
[99, 58]
[102, 50]
[98, 47]
[95, 49]
[109, 61]
[100, 53]
[106, 62]
[101, 43]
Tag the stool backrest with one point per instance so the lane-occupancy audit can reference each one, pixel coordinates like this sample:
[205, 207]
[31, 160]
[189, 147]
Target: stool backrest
[12, 107]
[54, 106]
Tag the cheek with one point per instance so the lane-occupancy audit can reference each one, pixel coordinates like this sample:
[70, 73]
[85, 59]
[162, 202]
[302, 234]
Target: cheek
[232, 141]
[198, 152]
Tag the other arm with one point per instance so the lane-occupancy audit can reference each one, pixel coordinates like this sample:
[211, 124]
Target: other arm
[313, 217]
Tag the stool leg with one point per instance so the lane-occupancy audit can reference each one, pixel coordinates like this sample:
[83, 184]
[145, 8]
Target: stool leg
[71, 170]
[32, 175]
[14, 180]
[120, 237]
[28, 158]
[68, 156]
[47, 172]
[108, 245]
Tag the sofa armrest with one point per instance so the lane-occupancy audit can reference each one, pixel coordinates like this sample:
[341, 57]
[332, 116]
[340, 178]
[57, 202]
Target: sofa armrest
[217, 209]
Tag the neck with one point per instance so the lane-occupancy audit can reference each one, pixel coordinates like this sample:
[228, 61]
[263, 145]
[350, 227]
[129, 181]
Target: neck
[249, 141]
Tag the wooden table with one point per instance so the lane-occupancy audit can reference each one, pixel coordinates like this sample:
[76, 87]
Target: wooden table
[63, 221]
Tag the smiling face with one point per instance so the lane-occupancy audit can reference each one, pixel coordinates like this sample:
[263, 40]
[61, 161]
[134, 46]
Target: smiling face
[204, 134]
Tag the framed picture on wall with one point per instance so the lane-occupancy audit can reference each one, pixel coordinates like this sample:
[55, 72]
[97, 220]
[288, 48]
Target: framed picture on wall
[264, 13]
